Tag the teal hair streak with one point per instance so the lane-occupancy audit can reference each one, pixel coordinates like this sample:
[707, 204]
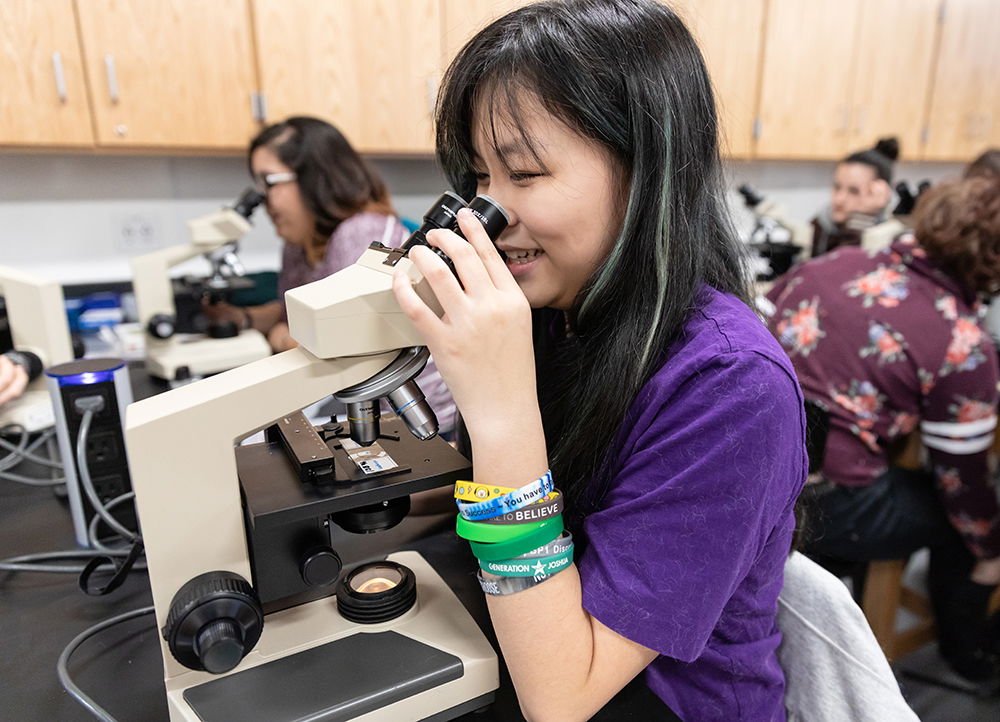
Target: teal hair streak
[661, 263]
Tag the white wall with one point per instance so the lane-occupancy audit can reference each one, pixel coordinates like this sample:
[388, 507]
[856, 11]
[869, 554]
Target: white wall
[79, 218]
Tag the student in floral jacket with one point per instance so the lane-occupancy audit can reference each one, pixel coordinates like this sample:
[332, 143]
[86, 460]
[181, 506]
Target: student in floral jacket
[889, 343]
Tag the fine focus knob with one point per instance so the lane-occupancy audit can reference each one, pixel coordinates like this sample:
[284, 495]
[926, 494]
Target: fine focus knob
[320, 567]
[215, 620]
[219, 645]
[161, 325]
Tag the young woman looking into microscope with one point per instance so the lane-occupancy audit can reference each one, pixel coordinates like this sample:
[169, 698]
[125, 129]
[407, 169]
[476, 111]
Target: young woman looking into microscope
[612, 343]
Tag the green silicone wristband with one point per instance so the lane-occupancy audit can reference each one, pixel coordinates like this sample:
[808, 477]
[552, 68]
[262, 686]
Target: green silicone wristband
[546, 532]
[540, 567]
[492, 533]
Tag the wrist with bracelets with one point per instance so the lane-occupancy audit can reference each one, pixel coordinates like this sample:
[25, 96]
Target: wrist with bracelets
[516, 533]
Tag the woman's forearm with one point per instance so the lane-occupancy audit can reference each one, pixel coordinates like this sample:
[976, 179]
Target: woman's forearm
[265, 316]
[565, 665]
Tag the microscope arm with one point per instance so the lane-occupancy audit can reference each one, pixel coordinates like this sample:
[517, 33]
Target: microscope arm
[151, 271]
[37, 316]
[188, 498]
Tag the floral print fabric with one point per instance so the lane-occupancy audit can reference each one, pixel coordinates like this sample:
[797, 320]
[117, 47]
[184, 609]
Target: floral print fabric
[886, 342]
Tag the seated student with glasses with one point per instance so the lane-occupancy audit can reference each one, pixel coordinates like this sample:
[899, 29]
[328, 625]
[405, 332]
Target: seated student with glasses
[328, 205]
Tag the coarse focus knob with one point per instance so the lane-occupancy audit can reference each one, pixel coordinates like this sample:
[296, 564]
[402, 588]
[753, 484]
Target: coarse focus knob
[320, 567]
[215, 620]
[161, 325]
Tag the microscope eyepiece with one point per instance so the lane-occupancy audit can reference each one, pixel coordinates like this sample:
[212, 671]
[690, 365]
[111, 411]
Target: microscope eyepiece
[443, 214]
[247, 203]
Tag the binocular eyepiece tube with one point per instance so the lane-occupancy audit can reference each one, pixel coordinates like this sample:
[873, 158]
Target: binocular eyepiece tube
[444, 214]
[395, 382]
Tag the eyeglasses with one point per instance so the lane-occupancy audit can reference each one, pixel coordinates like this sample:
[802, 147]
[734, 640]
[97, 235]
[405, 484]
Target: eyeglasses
[265, 183]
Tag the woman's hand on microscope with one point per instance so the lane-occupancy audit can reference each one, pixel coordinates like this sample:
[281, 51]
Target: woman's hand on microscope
[13, 379]
[482, 344]
[280, 339]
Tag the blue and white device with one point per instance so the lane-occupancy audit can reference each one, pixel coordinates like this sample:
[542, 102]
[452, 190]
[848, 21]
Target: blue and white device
[107, 465]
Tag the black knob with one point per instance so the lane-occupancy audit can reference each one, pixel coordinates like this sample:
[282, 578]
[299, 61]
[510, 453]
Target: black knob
[320, 567]
[215, 620]
[219, 645]
[223, 329]
[161, 325]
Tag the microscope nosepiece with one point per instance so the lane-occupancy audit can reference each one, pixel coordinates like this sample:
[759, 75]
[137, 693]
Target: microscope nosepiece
[409, 403]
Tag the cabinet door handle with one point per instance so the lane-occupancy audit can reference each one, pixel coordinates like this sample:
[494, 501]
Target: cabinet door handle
[109, 67]
[845, 120]
[57, 69]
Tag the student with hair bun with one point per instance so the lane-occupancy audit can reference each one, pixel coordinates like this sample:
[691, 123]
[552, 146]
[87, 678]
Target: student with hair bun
[858, 214]
[890, 343]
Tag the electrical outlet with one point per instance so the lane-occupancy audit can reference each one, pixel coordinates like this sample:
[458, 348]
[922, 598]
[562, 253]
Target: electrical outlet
[103, 447]
[137, 233]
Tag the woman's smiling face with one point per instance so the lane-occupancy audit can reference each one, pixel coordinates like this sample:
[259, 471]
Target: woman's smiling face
[563, 194]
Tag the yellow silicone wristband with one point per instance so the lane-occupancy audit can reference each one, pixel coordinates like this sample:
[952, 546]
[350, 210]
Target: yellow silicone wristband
[471, 491]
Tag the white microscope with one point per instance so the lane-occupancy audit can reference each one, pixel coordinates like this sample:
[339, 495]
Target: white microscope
[258, 623]
[170, 355]
[36, 315]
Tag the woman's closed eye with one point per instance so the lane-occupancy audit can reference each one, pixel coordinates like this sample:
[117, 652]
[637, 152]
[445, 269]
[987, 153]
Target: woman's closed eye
[524, 176]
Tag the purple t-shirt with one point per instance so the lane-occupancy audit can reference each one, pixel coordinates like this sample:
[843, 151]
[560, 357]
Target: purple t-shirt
[687, 552]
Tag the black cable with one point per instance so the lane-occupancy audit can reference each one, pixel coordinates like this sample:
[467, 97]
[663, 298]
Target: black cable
[62, 666]
[101, 554]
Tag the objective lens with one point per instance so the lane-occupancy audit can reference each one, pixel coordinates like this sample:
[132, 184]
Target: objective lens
[363, 417]
[408, 401]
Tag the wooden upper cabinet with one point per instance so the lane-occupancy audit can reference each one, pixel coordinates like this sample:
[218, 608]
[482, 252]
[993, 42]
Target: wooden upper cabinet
[170, 73]
[730, 35]
[43, 94]
[964, 116]
[370, 68]
[894, 64]
[809, 51]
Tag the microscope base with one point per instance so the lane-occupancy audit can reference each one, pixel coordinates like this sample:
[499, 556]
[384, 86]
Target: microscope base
[32, 411]
[203, 356]
[431, 663]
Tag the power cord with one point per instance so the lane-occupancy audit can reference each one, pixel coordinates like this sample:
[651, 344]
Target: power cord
[89, 406]
[62, 667]
[22, 451]
[121, 559]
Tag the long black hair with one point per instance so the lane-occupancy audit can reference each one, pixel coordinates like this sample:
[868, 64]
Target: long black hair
[627, 75]
[334, 180]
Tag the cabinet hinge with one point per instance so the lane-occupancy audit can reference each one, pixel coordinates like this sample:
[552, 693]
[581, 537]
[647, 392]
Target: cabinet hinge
[258, 106]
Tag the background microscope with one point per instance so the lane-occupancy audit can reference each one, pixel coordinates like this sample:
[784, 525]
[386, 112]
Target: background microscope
[258, 621]
[36, 325]
[172, 355]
